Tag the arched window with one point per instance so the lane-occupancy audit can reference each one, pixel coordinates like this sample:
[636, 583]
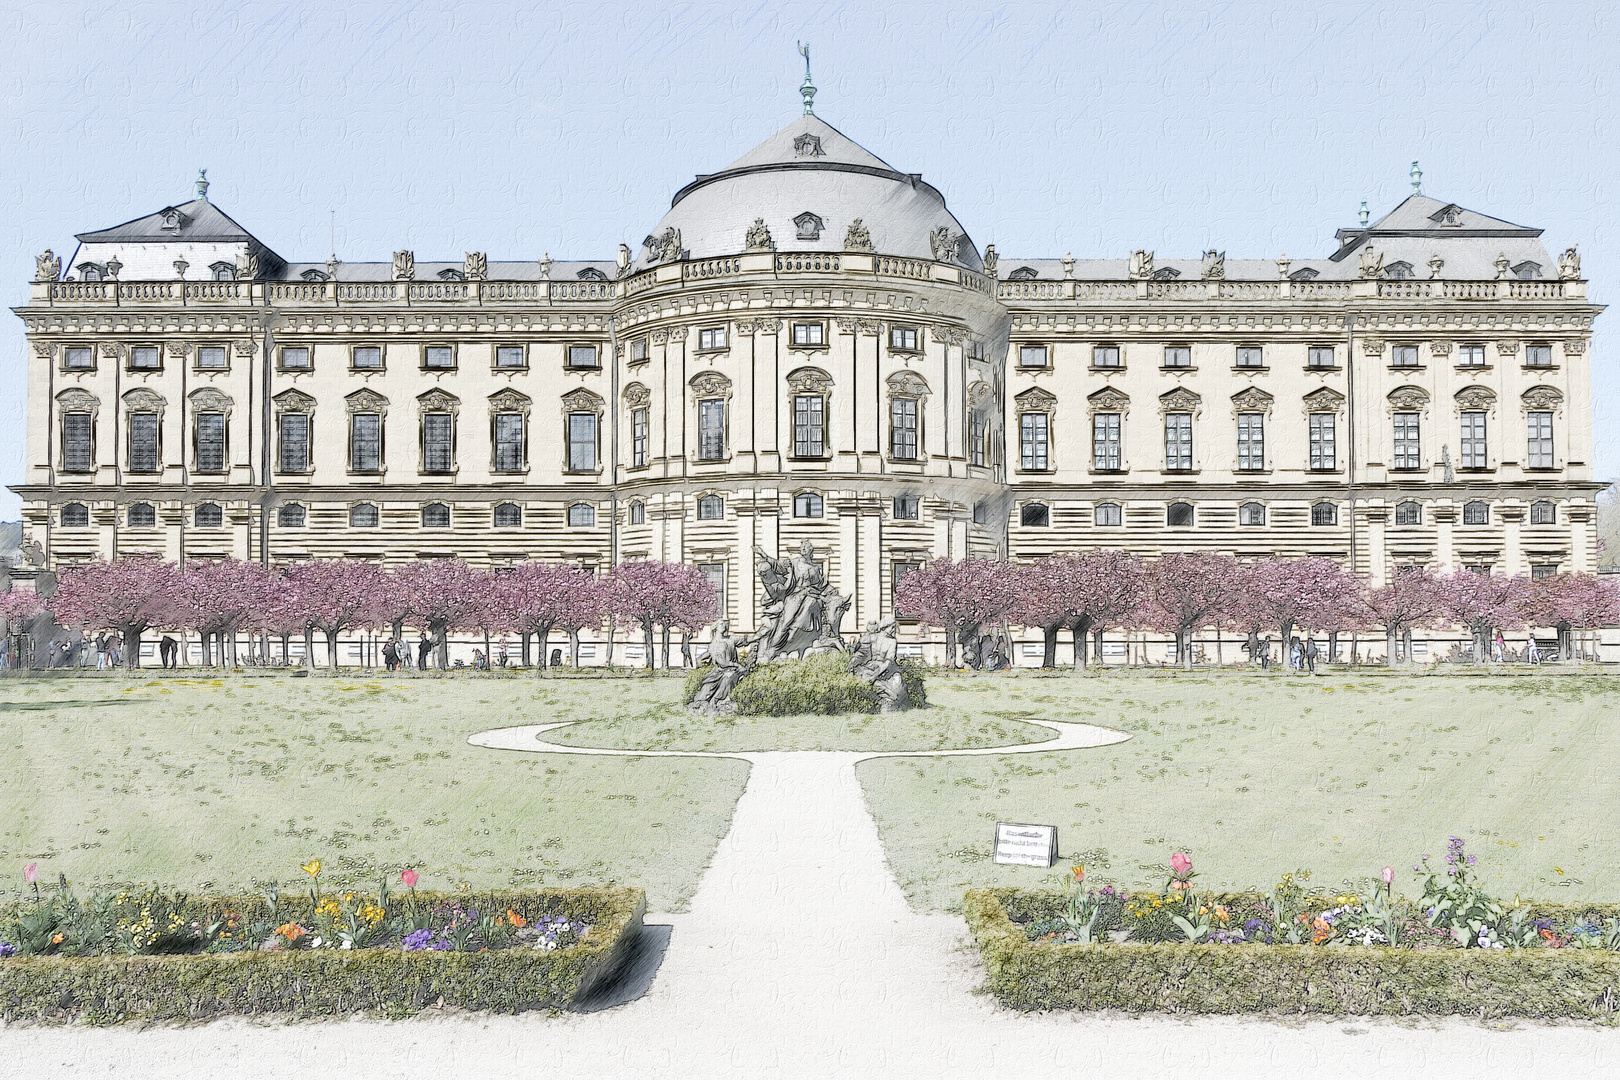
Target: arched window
[1477, 512]
[508, 515]
[1178, 513]
[638, 512]
[1035, 515]
[581, 516]
[1252, 513]
[89, 272]
[142, 515]
[711, 508]
[223, 271]
[290, 516]
[208, 516]
[1325, 513]
[1542, 512]
[1108, 514]
[75, 516]
[807, 505]
[363, 516]
[1408, 513]
[1527, 271]
[436, 516]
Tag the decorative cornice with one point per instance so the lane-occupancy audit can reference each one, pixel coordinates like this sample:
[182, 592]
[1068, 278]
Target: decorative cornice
[1179, 400]
[369, 401]
[509, 401]
[636, 395]
[1325, 399]
[1108, 399]
[1439, 348]
[1252, 399]
[710, 384]
[437, 400]
[295, 401]
[581, 400]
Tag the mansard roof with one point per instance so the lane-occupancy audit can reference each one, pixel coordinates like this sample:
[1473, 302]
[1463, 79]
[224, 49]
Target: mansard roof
[199, 221]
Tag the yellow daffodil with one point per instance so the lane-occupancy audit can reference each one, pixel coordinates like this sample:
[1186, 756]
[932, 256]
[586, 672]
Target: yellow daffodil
[312, 868]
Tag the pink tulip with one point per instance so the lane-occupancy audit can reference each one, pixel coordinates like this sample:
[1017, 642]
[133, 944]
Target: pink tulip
[1180, 864]
[31, 873]
[1389, 875]
[409, 877]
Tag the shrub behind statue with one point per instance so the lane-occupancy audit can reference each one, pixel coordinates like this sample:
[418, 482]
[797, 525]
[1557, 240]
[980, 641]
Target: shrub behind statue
[817, 685]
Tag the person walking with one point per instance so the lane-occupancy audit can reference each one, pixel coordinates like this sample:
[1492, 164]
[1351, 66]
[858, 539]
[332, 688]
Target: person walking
[1265, 654]
[169, 651]
[1498, 647]
[423, 647]
[390, 655]
[101, 652]
[1295, 655]
[1531, 653]
[1311, 653]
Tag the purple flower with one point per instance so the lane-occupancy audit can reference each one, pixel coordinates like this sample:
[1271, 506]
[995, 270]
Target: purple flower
[419, 940]
[7, 949]
[1470, 860]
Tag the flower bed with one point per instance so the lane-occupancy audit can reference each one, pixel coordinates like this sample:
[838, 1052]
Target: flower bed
[1455, 950]
[154, 955]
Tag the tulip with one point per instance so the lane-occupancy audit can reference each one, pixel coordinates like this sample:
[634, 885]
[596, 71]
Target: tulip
[31, 873]
[1389, 875]
[1079, 873]
[312, 868]
[409, 877]
[1180, 864]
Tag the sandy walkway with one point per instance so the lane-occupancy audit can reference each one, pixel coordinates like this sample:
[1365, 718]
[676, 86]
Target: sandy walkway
[801, 958]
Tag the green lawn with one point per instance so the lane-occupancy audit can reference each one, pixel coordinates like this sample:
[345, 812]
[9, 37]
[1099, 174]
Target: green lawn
[1253, 776]
[222, 783]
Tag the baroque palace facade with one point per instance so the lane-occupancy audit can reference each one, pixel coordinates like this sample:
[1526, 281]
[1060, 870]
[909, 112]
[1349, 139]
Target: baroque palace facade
[809, 347]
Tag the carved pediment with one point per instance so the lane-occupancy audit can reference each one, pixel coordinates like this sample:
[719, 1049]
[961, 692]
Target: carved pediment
[947, 335]
[294, 401]
[1543, 397]
[581, 401]
[809, 380]
[1036, 400]
[1108, 400]
[1476, 397]
[508, 401]
[143, 400]
[76, 399]
[1253, 399]
[435, 401]
[1324, 400]
[1507, 348]
[369, 401]
[1408, 398]
[209, 399]
[636, 395]
[907, 384]
[710, 384]
[1179, 400]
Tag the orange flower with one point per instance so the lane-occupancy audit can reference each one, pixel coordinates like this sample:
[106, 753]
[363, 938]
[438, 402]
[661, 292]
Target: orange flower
[515, 919]
[56, 939]
[1321, 931]
[291, 931]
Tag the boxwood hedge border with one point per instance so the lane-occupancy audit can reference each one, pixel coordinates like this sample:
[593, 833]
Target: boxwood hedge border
[307, 983]
[1287, 979]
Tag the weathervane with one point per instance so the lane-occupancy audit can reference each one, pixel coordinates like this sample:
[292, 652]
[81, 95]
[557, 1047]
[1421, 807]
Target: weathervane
[1417, 179]
[809, 88]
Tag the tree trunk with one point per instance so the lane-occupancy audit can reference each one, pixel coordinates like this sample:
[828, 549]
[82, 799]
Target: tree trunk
[488, 663]
[573, 648]
[207, 653]
[1096, 645]
[1333, 645]
[950, 648]
[527, 655]
[1077, 631]
[647, 643]
[1184, 647]
[612, 625]
[666, 646]
[309, 646]
[132, 647]
[1049, 634]
[1287, 637]
[1390, 646]
[332, 648]
[441, 635]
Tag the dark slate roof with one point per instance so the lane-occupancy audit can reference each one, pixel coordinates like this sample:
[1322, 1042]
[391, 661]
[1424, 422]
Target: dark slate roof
[202, 222]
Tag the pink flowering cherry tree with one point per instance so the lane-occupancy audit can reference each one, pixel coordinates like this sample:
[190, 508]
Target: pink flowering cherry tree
[1484, 603]
[1085, 593]
[334, 595]
[1411, 599]
[1311, 593]
[128, 595]
[962, 596]
[442, 595]
[18, 609]
[661, 595]
[543, 596]
[1187, 590]
[1572, 602]
[222, 597]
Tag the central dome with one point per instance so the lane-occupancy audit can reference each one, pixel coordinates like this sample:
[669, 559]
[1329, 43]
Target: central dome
[809, 183]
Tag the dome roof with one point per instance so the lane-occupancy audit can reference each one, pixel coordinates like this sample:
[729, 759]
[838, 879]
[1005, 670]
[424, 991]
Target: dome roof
[809, 182]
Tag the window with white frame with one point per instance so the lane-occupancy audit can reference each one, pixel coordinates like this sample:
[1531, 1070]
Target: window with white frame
[638, 350]
[511, 356]
[809, 425]
[1033, 356]
[510, 445]
[208, 516]
[1408, 449]
[212, 358]
[1320, 356]
[1107, 514]
[1033, 440]
[715, 574]
[1403, 356]
[809, 334]
[581, 441]
[438, 442]
[210, 441]
[712, 429]
[145, 442]
[1543, 512]
[291, 516]
[1324, 441]
[981, 512]
[1542, 571]
[1538, 356]
[79, 358]
[1177, 356]
[295, 358]
[292, 443]
[1178, 442]
[366, 358]
[436, 516]
[978, 430]
[711, 508]
[363, 516]
[1105, 356]
[638, 512]
[1251, 436]
[903, 338]
[1409, 513]
[1471, 356]
[75, 516]
[78, 442]
[1105, 444]
[1035, 515]
[365, 441]
[508, 515]
[807, 504]
[1179, 513]
[1473, 440]
[144, 516]
[1251, 356]
[638, 437]
[1477, 512]
[1539, 425]
[1252, 513]
[711, 338]
[906, 507]
[581, 516]
[439, 357]
[903, 429]
[145, 358]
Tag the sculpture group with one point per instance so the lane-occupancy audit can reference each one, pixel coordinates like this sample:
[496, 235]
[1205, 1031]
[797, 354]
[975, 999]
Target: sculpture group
[803, 617]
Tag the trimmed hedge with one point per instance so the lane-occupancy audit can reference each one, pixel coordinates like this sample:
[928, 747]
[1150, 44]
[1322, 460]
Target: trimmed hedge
[819, 685]
[1286, 979]
[326, 982]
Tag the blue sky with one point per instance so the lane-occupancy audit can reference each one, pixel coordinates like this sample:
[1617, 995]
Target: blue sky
[1096, 128]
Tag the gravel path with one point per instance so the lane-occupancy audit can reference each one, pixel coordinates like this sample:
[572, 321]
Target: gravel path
[800, 958]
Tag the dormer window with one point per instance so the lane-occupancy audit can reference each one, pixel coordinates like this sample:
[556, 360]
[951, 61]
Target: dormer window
[223, 271]
[1527, 271]
[809, 226]
[1023, 273]
[452, 275]
[808, 145]
[314, 275]
[1448, 216]
[1304, 274]
[91, 272]
[1398, 271]
[591, 273]
[1166, 273]
[172, 219]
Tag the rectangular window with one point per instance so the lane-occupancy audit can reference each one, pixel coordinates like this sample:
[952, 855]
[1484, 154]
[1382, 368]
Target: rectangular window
[903, 429]
[510, 356]
[638, 350]
[365, 442]
[809, 425]
[977, 425]
[897, 572]
[1408, 453]
[1251, 442]
[1473, 440]
[1106, 356]
[1105, 456]
[1409, 513]
[143, 442]
[367, 358]
[438, 434]
[903, 338]
[1541, 440]
[1319, 356]
[1404, 356]
[1324, 441]
[906, 507]
[712, 338]
[1178, 441]
[292, 452]
[1032, 356]
[638, 437]
[1540, 571]
[1033, 440]
[79, 358]
[715, 574]
[1471, 356]
[582, 356]
[438, 358]
[76, 442]
[1178, 356]
[145, 358]
[581, 442]
[295, 358]
[1538, 356]
[1251, 356]
[211, 358]
[712, 430]
[210, 442]
[809, 333]
[509, 442]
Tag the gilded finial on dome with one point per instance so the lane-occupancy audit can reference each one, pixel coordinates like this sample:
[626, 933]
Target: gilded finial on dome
[808, 89]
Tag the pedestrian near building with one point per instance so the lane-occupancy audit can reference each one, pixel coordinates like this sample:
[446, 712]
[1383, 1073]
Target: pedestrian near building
[1311, 654]
[169, 652]
[423, 647]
